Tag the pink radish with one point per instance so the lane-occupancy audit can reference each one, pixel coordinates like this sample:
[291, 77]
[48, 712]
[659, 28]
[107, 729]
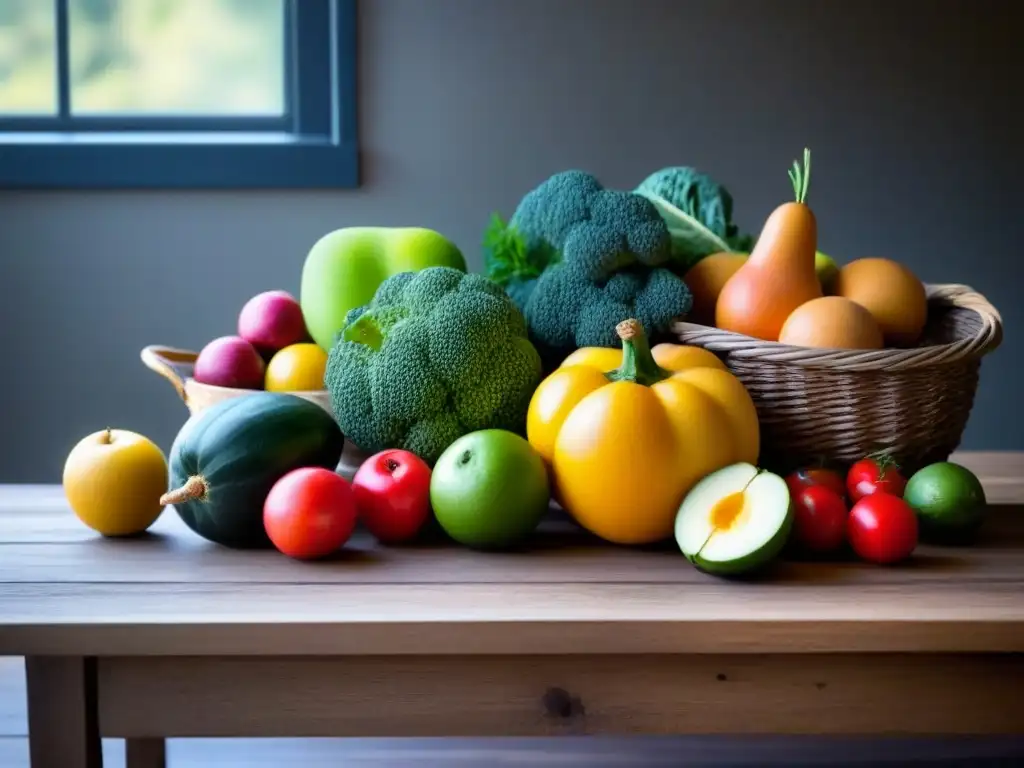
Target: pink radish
[272, 320]
[230, 361]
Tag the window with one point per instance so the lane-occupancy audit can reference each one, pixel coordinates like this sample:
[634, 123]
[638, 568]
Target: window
[177, 93]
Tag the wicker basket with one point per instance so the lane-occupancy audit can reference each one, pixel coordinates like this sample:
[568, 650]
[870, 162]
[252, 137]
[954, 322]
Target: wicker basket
[828, 406]
[175, 365]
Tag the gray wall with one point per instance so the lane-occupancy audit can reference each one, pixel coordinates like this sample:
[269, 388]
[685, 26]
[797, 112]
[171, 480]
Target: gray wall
[466, 104]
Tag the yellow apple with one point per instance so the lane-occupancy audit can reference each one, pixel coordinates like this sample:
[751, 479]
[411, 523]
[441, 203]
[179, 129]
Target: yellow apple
[296, 368]
[113, 480]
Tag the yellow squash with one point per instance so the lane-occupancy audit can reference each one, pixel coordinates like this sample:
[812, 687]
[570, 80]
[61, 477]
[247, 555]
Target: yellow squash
[627, 433]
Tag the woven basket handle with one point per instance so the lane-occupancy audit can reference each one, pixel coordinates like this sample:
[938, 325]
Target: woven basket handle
[965, 297]
[173, 364]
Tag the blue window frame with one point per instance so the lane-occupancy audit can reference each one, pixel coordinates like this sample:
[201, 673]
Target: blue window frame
[312, 144]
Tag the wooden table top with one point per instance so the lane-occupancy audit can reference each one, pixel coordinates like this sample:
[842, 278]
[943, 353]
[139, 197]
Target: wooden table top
[65, 590]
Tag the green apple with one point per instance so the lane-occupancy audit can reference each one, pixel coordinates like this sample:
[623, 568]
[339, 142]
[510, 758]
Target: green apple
[826, 269]
[489, 489]
[735, 520]
[344, 268]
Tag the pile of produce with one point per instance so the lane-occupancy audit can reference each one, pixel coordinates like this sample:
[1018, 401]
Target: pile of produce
[787, 291]
[578, 258]
[481, 399]
[271, 351]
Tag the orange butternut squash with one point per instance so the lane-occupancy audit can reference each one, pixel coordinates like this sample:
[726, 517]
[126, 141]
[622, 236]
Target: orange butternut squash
[779, 275]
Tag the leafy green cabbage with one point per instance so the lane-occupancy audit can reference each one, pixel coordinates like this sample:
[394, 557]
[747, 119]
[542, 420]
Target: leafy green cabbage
[698, 212]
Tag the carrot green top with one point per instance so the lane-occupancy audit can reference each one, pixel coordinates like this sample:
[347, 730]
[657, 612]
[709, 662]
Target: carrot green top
[801, 177]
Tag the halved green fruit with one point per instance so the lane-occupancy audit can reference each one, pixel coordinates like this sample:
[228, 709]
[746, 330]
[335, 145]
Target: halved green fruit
[735, 520]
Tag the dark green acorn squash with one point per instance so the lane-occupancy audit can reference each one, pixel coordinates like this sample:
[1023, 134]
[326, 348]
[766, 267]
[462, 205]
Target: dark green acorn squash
[226, 459]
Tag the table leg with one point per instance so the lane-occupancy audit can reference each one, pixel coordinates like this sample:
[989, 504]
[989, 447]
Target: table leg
[145, 753]
[63, 729]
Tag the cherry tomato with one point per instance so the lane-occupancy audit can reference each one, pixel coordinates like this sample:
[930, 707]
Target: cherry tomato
[871, 475]
[392, 490]
[882, 528]
[310, 513]
[819, 519]
[804, 478]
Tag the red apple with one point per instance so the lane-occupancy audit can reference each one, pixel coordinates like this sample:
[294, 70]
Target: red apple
[272, 320]
[230, 361]
[392, 490]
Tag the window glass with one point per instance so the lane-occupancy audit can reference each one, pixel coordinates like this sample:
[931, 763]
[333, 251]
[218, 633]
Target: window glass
[176, 57]
[28, 59]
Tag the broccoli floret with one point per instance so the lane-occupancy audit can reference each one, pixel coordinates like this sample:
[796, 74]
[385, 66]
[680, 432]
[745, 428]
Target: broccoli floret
[436, 354]
[577, 259]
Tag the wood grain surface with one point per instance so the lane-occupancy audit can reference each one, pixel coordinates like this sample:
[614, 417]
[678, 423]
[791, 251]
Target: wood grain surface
[374, 696]
[64, 589]
[703, 751]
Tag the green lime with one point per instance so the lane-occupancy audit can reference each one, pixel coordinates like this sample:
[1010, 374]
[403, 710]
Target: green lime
[949, 501]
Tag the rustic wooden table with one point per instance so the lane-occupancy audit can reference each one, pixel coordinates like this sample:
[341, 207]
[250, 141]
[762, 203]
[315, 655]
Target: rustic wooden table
[169, 636]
